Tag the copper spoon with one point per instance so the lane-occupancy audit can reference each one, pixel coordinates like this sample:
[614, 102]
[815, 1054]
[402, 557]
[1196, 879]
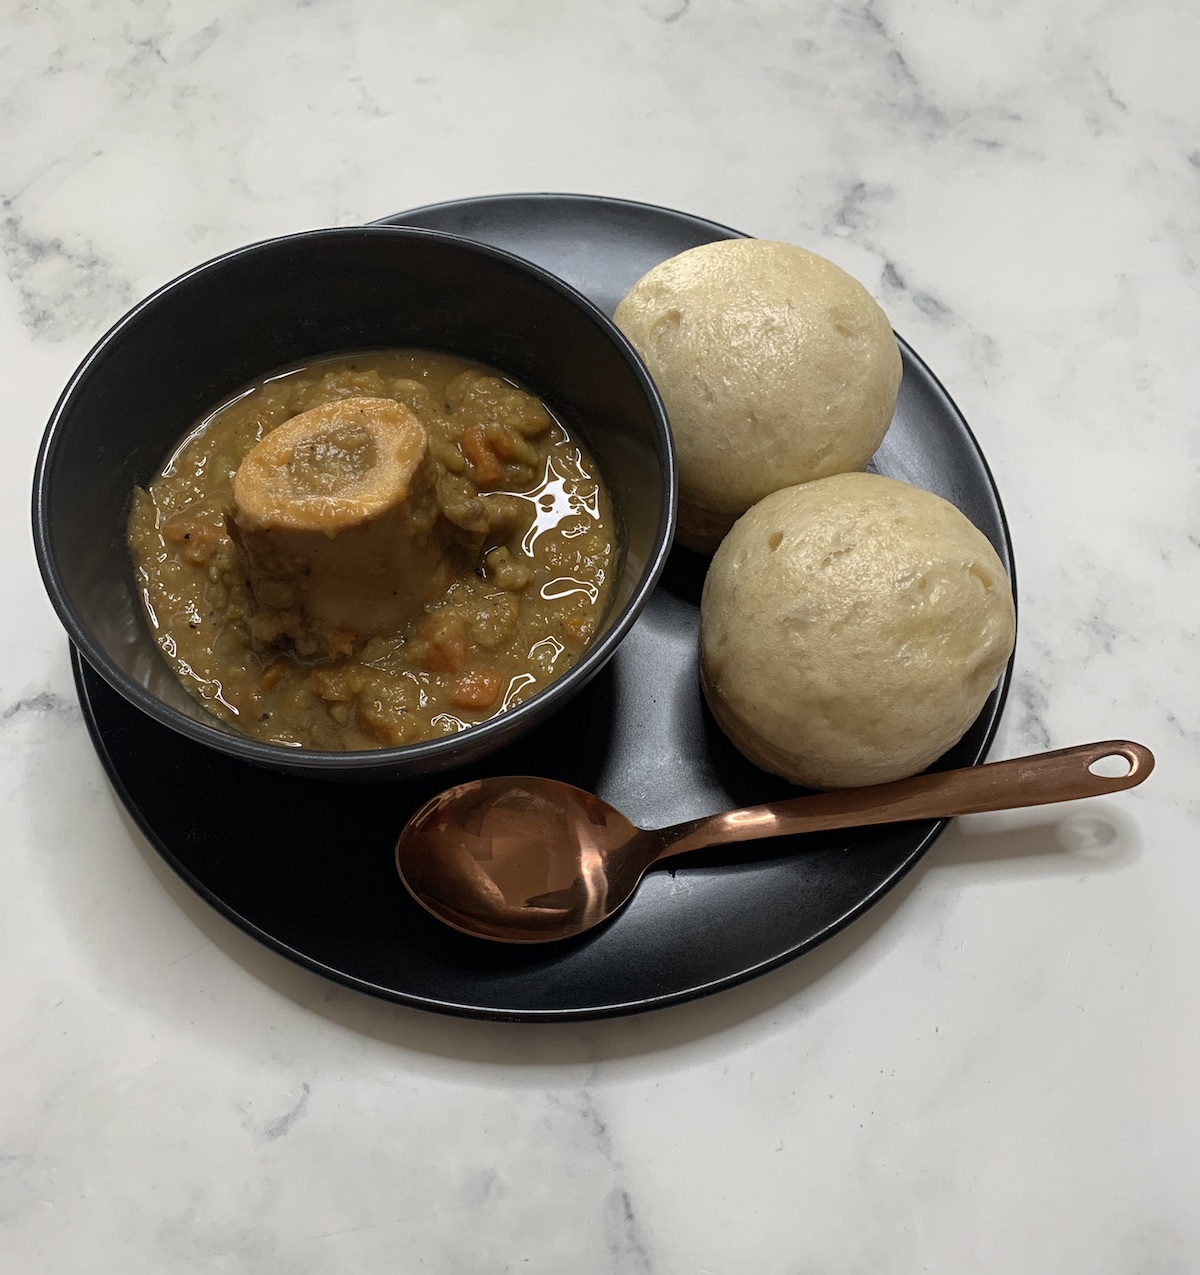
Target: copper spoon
[526, 860]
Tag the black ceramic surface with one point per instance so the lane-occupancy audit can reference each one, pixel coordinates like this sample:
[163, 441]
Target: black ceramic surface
[307, 866]
[203, 336]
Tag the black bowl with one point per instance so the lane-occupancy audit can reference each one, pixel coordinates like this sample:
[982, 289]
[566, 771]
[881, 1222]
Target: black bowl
[229, 321]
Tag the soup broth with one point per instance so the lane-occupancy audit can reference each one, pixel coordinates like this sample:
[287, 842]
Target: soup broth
[505, 559]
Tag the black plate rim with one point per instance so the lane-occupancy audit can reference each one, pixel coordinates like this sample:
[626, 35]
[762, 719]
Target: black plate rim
[561, 197]
[82, 671]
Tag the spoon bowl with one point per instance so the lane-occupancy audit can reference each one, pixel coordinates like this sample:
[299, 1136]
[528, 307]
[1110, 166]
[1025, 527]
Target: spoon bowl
[520, 859]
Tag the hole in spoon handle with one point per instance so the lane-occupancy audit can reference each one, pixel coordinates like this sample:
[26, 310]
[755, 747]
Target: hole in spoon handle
[1087, 770]
[1042, 779]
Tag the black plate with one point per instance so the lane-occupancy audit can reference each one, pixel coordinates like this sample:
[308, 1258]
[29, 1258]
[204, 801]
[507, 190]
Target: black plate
[307, 866]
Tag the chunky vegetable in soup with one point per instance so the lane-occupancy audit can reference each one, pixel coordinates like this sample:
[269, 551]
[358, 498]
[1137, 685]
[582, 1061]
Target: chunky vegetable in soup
[373, 550]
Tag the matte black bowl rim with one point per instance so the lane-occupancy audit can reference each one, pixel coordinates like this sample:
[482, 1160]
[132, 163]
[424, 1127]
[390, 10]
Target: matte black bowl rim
[545, 701]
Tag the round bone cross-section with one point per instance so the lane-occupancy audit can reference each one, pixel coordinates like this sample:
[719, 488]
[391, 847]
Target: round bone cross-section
[335, 510]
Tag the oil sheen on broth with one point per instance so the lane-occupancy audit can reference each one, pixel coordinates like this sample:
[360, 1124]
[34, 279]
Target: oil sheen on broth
[372, 550]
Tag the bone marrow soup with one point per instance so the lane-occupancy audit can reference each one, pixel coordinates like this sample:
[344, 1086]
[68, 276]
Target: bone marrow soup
[373, 550]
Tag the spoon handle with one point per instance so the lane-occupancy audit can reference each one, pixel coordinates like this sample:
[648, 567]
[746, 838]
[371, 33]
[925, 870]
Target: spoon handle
[1064, 775]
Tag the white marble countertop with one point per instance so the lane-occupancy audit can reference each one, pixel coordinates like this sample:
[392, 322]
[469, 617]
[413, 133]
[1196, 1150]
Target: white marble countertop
[995, 1070]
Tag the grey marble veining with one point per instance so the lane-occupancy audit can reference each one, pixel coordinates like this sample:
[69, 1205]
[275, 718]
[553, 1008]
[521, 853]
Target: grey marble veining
[994, 1070]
